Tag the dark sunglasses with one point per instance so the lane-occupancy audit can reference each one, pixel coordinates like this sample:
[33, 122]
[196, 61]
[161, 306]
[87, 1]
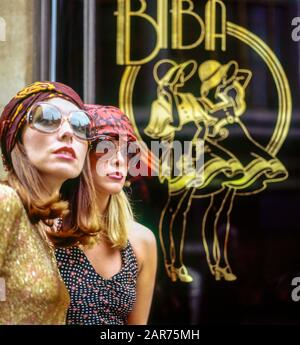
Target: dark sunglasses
[47, 118]
[106, 147]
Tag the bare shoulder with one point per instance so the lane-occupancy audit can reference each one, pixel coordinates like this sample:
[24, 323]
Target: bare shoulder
[140, 233]
[143, 242]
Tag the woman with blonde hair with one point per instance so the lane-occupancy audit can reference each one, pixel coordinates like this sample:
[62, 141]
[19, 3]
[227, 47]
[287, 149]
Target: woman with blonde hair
[44, 141]
[111, 281]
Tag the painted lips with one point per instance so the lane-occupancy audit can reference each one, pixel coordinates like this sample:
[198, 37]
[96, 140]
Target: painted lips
[115, 176]
[66, 153]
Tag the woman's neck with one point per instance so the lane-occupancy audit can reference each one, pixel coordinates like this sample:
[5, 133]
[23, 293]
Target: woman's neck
[102, 201]
[51, 188]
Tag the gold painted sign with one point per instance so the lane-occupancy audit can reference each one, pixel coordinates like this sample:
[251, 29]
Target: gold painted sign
[215, 113]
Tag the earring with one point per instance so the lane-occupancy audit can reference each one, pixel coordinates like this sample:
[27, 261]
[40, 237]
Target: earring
[90, 147]
[127, 184]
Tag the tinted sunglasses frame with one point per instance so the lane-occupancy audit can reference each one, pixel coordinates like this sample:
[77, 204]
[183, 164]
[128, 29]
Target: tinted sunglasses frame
[29, 119]
[117, 148]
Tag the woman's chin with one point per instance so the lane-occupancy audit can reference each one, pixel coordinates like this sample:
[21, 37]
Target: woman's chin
[62, 172]
[113, 189]
[69, 174]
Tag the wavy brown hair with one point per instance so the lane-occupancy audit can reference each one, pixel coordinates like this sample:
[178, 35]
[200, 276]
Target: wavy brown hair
[76, 202]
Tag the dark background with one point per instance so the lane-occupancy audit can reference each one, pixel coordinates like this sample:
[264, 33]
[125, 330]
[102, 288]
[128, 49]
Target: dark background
[265, 237]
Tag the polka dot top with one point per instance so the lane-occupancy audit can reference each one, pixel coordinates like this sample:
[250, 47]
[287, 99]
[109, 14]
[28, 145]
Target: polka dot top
[95, 300]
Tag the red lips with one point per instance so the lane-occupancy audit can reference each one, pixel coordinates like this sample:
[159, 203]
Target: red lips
[66, 150]
[115, 175]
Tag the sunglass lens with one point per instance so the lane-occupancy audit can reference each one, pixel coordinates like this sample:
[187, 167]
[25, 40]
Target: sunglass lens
[81, 124]
[105, 149]
[45, 118]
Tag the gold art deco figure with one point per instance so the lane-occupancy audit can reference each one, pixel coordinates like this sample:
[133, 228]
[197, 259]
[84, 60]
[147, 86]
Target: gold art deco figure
[228, 169]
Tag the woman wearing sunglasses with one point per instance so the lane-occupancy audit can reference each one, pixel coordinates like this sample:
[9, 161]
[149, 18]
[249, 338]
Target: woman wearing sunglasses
[44, 141]
[112, 281]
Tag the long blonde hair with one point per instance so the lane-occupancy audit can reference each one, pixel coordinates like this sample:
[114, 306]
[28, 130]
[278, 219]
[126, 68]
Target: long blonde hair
[117, 219]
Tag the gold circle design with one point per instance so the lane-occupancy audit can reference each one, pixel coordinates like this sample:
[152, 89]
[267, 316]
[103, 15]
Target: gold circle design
[266, 54]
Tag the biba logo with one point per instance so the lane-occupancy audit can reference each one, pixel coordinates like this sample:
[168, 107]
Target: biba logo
[198, 90]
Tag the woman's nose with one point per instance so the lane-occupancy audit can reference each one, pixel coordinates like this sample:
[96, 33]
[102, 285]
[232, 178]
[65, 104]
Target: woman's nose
[65, 130]
[119, 158]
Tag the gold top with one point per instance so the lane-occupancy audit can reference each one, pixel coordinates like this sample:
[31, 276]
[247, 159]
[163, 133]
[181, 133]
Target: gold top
[33, 291]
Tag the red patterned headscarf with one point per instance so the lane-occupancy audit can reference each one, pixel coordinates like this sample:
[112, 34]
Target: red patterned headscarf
[109, 120]
[14, 114]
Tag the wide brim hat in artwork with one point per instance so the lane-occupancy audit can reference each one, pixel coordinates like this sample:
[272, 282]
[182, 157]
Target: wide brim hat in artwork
[168, 72]
[212, 72]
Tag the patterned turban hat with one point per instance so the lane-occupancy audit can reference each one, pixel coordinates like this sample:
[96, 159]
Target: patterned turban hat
[111, 121]
[14, 114]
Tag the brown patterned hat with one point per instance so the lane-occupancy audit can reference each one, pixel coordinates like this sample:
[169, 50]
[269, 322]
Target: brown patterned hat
[14, 114]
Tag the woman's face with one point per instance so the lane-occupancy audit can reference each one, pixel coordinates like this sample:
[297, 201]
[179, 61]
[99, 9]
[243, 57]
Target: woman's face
[109, 173]
[59, 155]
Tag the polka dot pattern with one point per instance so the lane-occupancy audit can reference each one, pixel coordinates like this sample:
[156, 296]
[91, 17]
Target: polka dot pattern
[95, 300]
